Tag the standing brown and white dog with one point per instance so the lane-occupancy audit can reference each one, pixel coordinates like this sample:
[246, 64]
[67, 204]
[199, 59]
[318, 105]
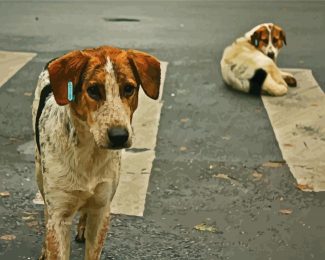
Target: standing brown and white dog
[79, 134]
[249, 64]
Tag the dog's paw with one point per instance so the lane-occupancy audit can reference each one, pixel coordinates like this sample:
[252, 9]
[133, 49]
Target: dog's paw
[290, 80]
[43, 254]
[80, 238]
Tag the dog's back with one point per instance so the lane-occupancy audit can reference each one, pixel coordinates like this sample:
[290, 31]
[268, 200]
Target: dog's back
[242, 67]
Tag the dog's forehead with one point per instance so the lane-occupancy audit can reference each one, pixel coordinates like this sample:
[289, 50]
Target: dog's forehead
[120, 66]
[107, 61]
[264, 31]
[108, 56]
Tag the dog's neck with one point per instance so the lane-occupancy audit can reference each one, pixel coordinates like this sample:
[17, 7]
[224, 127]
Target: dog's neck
[79, 130]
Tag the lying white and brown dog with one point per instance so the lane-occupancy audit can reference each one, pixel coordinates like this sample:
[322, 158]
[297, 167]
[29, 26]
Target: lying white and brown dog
[82, 113]
[249, 64]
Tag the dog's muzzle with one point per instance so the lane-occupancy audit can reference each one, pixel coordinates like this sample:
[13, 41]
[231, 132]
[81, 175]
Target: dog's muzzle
[118, 137]
[271, 55]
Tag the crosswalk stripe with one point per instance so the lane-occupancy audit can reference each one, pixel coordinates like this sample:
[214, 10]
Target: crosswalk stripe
[298, 121]
[137, 162]
[11, 62]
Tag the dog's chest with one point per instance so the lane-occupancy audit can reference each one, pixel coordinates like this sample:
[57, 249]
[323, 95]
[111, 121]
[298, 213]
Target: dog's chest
[98, 166]
[70, 159]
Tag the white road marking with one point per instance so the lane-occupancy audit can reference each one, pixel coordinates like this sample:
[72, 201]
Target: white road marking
[137, 162]
[298, 121]
[11, 62]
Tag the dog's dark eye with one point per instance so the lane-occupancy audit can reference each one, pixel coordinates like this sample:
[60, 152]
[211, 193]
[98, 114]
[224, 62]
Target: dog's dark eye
[128, 90]
[274, 40]
[94, 92]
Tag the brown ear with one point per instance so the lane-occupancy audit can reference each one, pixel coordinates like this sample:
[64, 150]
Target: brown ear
[283, 37]
[279, 31]
[255, 38]
[64, 69]
[146, 69]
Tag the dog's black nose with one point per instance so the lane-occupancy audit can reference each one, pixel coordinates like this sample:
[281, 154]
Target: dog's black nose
[271, 55]
[118, 136]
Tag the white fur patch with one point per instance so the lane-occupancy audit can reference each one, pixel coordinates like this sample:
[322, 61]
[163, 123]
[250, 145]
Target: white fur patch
[251, 32]
[109, 66]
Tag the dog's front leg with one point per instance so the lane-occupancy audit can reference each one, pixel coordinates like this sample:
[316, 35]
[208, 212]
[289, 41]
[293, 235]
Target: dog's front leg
[57, 240]
[289, 79]
[61, 208]
[96, 230]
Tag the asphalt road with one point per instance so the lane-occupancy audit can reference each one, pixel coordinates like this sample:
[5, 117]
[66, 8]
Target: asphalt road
[205, 130]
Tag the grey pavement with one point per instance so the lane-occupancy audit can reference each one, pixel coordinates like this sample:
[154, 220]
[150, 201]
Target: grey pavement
[223, 131]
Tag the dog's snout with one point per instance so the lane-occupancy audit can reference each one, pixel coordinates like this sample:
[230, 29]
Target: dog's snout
[271, 55]
[118, 136]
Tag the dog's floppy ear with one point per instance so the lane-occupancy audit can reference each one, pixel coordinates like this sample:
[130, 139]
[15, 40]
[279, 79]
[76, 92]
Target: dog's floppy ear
[64, 69]
[283, 36]
[255, 38]
[279, 32]
[146, 69]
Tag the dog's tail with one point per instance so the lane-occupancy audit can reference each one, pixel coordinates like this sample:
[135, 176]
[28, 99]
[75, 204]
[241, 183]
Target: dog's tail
[241, 77]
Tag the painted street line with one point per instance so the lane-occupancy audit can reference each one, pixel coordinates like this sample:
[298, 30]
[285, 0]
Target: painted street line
[136, 162]
[11, 62]
[298, 120]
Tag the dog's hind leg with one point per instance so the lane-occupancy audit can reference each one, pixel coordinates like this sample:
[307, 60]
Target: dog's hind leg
[80, 237]
[39, 180]
[273, 88]
[43, 255]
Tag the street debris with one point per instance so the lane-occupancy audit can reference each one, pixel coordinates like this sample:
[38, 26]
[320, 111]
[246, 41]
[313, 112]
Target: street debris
[285, 211]
[274, 164]
[30, 213]
[38, 200]
[28, 218]
[305, 187]
[8, 237]
[28, 94]
[32, 224]
[222, 176]
[183, 148]
[226, 137]
[206, 228]
[4, 194]
[257, 176]
[184, 120]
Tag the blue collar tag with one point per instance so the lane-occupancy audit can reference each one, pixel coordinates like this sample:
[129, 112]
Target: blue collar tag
[70, 91]
[256, 42]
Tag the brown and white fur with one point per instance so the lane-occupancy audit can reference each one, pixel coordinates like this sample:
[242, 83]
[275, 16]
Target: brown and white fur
[249, 64]
[79, 142]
